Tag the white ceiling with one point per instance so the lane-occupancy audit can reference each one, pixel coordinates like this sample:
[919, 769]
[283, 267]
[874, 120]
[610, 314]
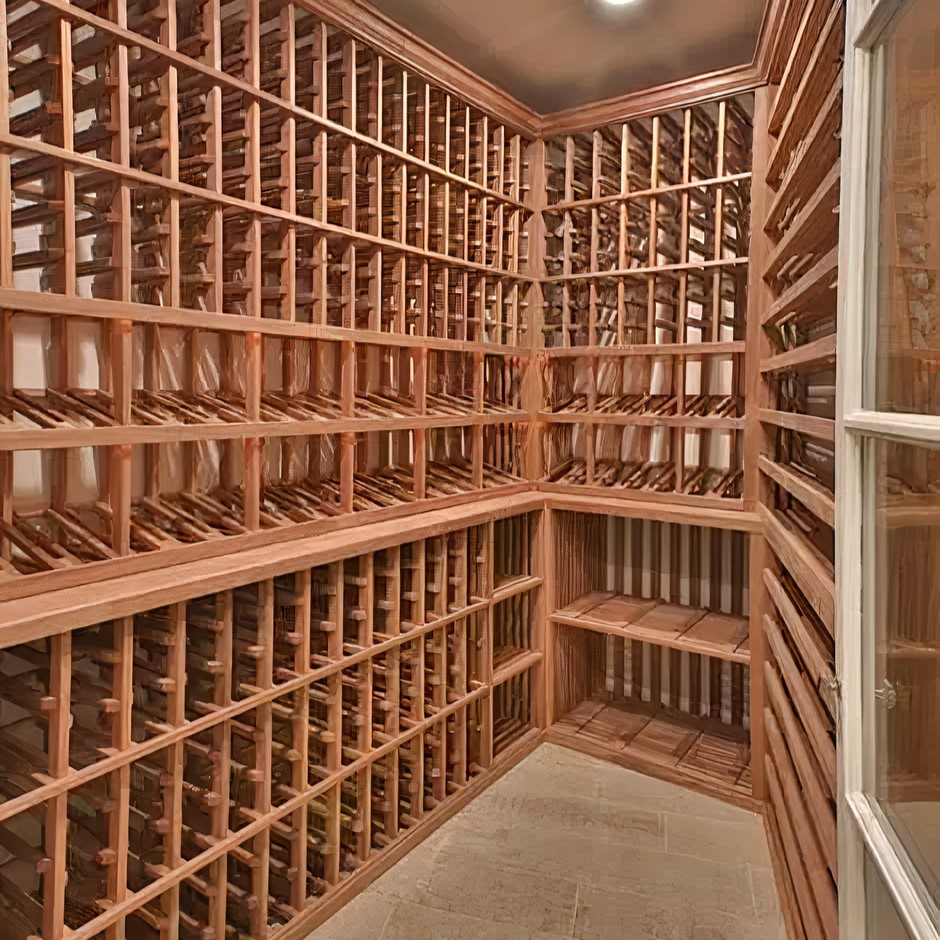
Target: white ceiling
[554, 54]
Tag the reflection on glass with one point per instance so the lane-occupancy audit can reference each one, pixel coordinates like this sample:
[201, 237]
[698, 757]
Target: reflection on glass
[884, 922]
[906, 619]
[908, 370]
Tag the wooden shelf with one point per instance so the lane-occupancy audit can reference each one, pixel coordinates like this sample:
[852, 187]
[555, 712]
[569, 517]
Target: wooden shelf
[689, 629]
[22, 437]
[653, 350]
[133, 586]
[730, 516]
[815, 426]
[93, 561]
[803, 486]
[641, 271]
[634, 195]
[662, 746]
[50, 304]
[702, 422]
[912, 650]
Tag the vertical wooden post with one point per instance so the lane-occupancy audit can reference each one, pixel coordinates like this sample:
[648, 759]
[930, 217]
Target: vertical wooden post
[6, 280]
[393, 688]
[56, 823]
[364, 706]
[173, 787]
[287, 21]
[222, 749]
[546, 547]
[653, 236]
[476, 455]
[533, 388]
[755, 396]
[215, 262]
[719, 223]
[120, 785]
[680, 363]
[264, 679]
[418, 680]
[334, 724]
[622, 243]
[300, 726]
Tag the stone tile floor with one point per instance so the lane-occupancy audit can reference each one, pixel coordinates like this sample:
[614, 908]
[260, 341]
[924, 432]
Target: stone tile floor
[566, 847]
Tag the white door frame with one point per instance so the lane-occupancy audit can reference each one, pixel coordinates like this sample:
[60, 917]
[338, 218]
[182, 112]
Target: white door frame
[863, 826]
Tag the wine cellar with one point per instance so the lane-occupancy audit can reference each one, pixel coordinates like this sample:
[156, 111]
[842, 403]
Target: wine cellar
[362, 429]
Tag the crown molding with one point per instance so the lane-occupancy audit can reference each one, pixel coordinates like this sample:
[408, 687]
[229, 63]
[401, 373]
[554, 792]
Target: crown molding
[362, 21]
[684, 92]
[778, 30]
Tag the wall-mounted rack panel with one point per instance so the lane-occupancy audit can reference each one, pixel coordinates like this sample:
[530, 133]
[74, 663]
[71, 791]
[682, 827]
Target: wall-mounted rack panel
[797, 178]
[230, 761]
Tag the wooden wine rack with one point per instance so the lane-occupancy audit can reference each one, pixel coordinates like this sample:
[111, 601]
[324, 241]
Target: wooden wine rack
[361, 428]
[237, 761]
[647, 233]
[230, 254]
[798, 175]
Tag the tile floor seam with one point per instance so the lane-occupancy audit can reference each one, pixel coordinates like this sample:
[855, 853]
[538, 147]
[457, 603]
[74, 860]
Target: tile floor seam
[388, 917]
[700, 858]
[574, 913]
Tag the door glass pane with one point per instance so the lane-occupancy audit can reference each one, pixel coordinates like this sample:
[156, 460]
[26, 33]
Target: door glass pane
[908, 377]
[905, 617]
[884, 923]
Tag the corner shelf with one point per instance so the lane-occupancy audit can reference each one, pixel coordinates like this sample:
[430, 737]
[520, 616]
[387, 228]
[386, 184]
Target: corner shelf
[629, 733]
[652, 648]
[690, 629]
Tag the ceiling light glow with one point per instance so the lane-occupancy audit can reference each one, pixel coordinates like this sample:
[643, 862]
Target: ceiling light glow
[618, 3]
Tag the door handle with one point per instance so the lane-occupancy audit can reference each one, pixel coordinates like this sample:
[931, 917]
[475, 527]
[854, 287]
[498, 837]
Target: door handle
[886, 694]
[891, 694]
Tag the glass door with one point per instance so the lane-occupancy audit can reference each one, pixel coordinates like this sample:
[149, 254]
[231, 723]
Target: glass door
[888, 511]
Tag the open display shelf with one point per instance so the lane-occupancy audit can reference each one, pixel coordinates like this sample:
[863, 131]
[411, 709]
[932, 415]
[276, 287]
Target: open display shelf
[676, 626]
[652, 648]
[716, 762]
